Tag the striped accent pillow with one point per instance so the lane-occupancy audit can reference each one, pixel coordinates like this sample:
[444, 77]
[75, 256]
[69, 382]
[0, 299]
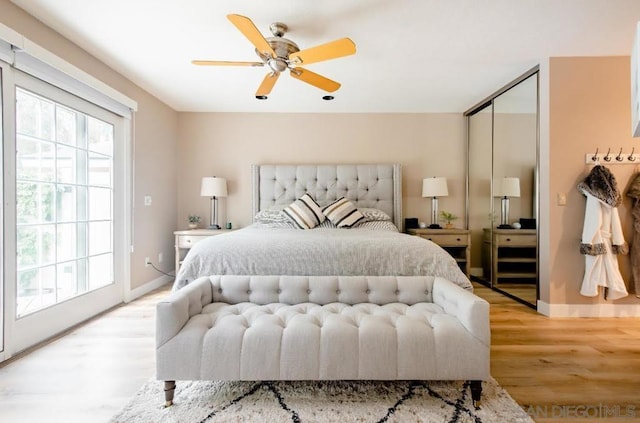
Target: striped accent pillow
[305, 212]
[343, 213]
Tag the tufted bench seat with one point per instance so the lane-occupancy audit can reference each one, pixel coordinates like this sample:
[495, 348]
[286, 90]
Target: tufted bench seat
[322, 328]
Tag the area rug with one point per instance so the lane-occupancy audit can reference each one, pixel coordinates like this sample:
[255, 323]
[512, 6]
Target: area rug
[321, 401]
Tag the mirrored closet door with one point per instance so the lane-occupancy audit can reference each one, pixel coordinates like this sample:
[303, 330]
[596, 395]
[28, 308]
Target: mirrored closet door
[502, 194]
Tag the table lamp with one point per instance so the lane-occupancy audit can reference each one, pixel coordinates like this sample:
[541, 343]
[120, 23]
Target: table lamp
[505, 188]
[213, 187]
[434, 187]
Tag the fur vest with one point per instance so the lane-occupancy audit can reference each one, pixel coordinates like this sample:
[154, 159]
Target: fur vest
[602, 236]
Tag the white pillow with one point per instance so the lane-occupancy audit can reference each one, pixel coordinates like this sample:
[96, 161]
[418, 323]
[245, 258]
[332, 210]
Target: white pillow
[305, 212]
[273, 218]
[343, 213]
[372, 214]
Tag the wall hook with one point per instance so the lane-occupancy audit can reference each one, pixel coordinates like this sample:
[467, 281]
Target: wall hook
[619, 156]
[631, 157]
[607, 158]
[595, 156]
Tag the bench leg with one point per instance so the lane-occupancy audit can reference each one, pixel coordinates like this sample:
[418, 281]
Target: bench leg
[476, 392]
[169, 389]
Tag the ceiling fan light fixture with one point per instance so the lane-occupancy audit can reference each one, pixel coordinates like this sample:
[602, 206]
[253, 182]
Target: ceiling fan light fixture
[278, 65]
[261, 97]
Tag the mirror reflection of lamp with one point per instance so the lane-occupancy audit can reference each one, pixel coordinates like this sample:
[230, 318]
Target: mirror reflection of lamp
[213, 187]
[505, 188]
[434, 187]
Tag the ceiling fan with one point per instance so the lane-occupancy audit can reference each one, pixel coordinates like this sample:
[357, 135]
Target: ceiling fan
[281, 54]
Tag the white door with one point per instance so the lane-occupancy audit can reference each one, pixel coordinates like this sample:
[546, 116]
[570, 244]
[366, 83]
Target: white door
[67, 223]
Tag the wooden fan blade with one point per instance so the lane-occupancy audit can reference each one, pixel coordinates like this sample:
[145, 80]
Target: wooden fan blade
[332, 50]
[314, 79]
[224, 63]
[267, 84]
[249, 30]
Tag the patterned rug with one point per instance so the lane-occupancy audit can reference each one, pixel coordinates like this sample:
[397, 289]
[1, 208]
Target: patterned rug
[321, 401]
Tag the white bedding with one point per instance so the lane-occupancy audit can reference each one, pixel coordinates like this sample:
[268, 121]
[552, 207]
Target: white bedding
[371, 249]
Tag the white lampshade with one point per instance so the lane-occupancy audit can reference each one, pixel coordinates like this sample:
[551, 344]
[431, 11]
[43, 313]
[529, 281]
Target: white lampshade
[507, 187]
[213, 187]
[434, 187]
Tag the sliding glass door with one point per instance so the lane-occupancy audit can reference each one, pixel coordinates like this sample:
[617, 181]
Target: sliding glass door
[65, 231]
[64, 197]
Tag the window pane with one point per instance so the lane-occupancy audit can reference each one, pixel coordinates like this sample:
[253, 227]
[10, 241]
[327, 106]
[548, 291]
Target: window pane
[100, 136]
[99, 170]
[66, 203]
[82, 205]
[81, 167]
[99, 204]
[66, 131]
[100, 271]
[34, 159]
[36, 289]
[34, 115]
[99, 237]
[67, 242]
[66, 164]
[34, 202]
[35, 245]
[27, 246]
[72, 279]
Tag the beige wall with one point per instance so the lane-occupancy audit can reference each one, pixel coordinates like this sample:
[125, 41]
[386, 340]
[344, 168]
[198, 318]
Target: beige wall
[589, 109]
[155, 146]
[589, 101]
[226, 144]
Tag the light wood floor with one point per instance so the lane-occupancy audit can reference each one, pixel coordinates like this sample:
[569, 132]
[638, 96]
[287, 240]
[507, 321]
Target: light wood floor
[565, 367]
[561, 364]
[87, 375]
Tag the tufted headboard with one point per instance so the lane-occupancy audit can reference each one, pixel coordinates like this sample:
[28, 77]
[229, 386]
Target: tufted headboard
[366, 185]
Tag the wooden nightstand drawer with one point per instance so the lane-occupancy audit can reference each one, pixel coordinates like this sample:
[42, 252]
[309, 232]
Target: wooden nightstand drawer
[514, 240]
[185, 241]
[447, 240]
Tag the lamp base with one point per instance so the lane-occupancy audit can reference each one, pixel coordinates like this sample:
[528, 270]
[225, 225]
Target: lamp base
[504, 226]
[434, 226]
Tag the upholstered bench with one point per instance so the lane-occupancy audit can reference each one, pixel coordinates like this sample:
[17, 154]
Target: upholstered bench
[322, 328]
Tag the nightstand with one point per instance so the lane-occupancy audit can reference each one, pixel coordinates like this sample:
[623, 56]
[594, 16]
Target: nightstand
[510, 254]
[187, 239]
[456, 242]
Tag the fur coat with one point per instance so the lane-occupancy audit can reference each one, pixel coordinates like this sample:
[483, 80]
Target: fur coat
[602, 236]
[634, 193]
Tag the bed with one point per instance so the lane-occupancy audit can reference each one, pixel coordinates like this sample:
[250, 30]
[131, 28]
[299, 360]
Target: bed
[273, 245]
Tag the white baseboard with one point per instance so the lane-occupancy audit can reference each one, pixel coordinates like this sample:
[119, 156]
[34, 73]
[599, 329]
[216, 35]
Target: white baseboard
[589, 310]
[146, 288]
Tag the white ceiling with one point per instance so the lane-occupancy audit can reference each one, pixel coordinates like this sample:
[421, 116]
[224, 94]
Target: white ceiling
[412, 55]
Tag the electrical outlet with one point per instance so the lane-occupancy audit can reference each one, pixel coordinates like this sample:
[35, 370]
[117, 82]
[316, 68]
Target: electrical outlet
[160, 257]
[147, 262]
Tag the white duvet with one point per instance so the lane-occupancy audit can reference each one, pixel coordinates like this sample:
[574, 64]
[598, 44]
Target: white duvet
[261, 250]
